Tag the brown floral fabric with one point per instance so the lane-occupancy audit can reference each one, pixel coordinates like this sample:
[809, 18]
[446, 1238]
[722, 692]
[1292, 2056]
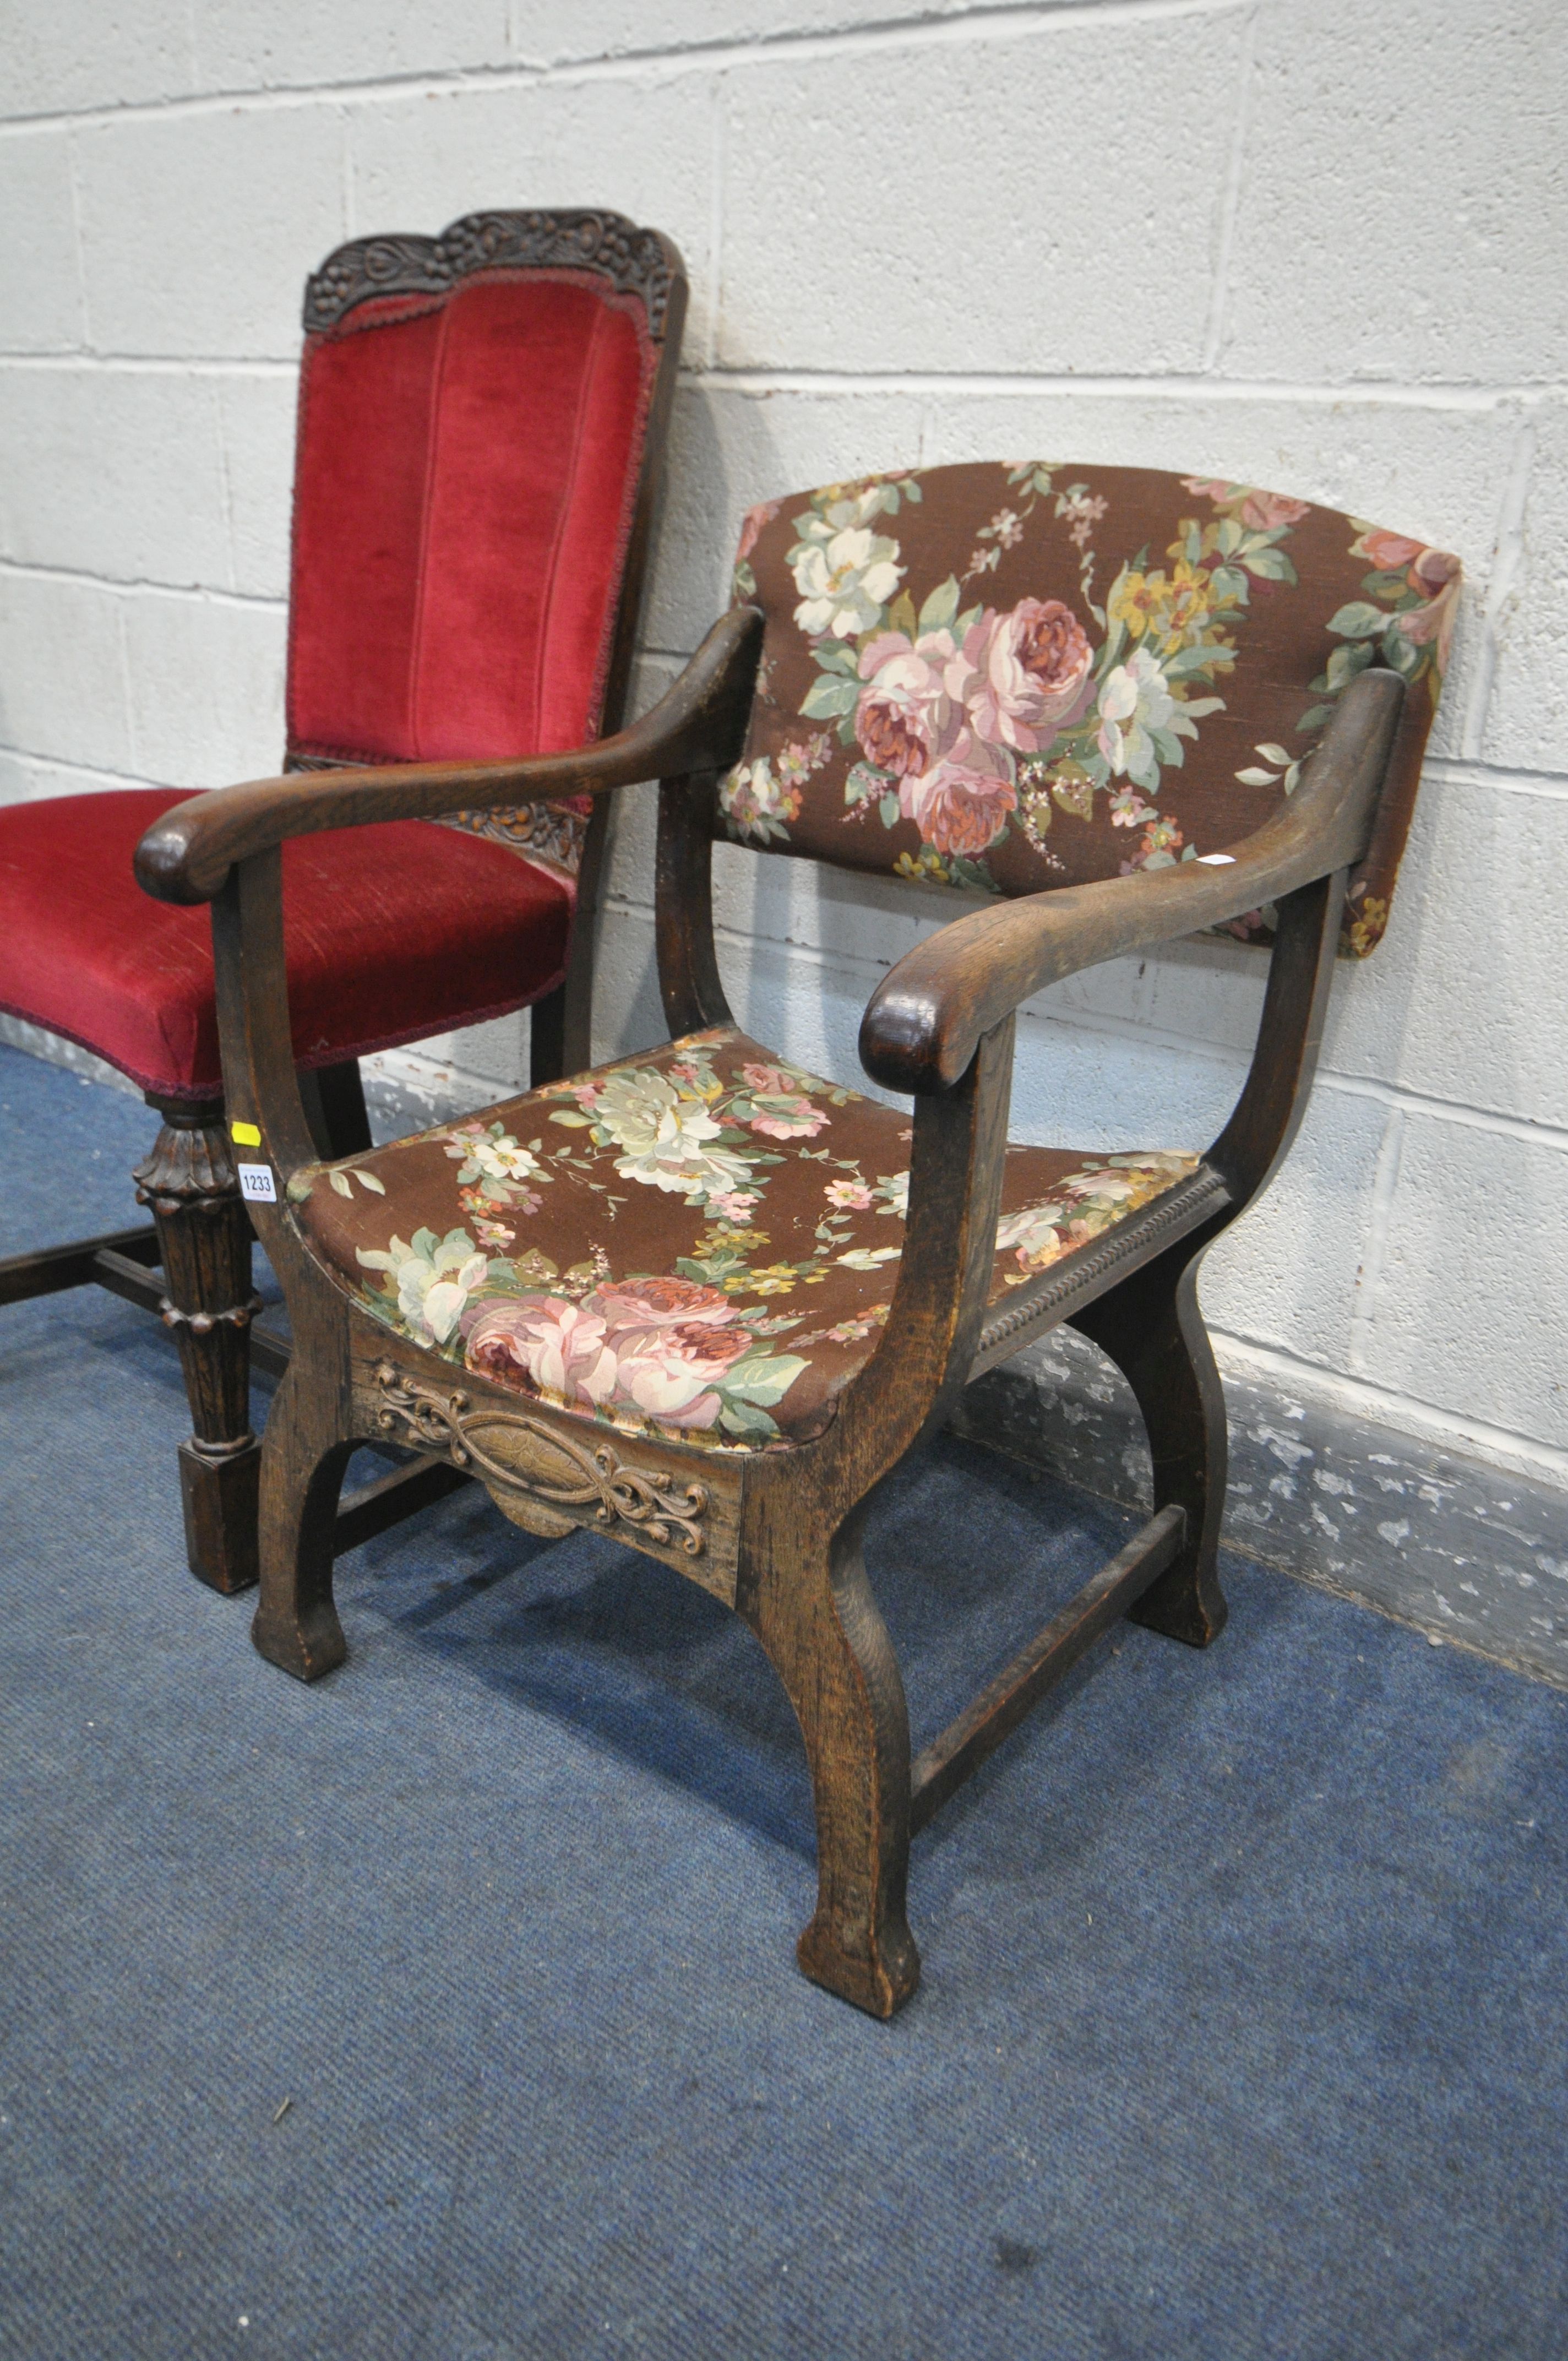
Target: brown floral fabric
[700, 1242]
[1009, 678]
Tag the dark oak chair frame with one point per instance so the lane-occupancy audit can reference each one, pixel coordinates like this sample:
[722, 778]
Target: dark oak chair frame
[777, 1534]
[192, 1267]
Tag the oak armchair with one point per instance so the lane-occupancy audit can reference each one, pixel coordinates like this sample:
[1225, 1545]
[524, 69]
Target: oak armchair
[482, 423]
[705, 1300]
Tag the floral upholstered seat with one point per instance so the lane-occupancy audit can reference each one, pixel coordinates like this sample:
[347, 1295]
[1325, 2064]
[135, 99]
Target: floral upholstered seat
[702, 1241]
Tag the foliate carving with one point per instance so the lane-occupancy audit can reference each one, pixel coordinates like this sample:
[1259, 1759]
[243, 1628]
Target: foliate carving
[636, 261]
[189, 1159]
[541, 1462]
[201, 1324]
[554, 834]
[204, 1244]
[374, 266]
[551, 832]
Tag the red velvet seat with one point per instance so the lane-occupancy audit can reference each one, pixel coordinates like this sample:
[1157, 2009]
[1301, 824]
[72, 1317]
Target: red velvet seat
[393, 933]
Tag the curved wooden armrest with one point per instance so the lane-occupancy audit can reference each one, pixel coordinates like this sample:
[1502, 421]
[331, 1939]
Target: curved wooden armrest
[924, 1021]
[699, 725]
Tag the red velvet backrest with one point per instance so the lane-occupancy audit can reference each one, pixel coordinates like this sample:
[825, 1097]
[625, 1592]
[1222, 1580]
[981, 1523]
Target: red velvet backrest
[473, 413]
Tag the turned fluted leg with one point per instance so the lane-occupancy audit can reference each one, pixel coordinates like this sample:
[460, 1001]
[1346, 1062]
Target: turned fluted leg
[205, 1239]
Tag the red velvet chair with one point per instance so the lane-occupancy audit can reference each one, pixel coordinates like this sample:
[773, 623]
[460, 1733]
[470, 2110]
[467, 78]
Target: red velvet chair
[482, 423]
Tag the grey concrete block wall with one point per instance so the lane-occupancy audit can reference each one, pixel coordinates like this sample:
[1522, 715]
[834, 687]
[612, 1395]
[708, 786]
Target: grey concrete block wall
[1319, 247]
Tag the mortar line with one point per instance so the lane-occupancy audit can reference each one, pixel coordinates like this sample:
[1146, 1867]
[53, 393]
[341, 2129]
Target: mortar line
[1000, 20]
[1438, 394]
[148, 364]
[207, 593]
[1455, 771]
[96, 771]
[226, 488]
[77, 242]
[1230, 197]
[345, 169]
[1506, 567]
[1368, 392]
[1369, 1275]
[718, 158]
[993, 24]
[128, 704]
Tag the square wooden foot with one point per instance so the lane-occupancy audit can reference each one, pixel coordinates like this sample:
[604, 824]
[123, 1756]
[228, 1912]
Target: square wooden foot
[220, 1497]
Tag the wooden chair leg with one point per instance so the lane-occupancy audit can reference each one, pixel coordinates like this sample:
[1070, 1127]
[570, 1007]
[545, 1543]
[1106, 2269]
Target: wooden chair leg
[296, 1623]
[204, 1238]
[813, 1610]
[1152, 1328]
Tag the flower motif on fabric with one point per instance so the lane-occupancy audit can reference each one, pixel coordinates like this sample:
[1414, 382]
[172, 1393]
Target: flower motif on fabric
[431, 1280]
[687, 1131]
[495, 1172]
[696, 1322]
[761, 798]
[669, 1351]
[845, 573]
[1088, 1204]
[1406, 617]
[967, 722]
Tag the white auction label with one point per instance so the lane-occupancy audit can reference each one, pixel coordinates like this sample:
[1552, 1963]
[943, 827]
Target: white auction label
[256, 1181]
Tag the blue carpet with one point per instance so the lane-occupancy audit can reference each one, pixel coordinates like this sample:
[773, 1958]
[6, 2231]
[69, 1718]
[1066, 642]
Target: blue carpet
[449, 2010]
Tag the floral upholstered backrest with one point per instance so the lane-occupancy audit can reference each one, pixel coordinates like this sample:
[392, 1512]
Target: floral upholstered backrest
[1013, 677]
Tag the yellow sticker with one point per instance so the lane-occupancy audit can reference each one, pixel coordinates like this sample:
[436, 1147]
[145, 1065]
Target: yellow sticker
[246, 1133]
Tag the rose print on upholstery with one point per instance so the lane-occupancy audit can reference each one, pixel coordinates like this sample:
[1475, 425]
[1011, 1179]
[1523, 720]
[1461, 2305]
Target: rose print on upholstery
[960, 804]
[904, 715]
[558, 1344]
[1262, 510]
[1407, 616]
[668, 1350]
[1029, 673]
[1008, 677]
[627, 1285]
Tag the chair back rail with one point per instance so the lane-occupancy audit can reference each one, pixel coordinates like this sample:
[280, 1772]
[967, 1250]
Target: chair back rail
[1008, 678]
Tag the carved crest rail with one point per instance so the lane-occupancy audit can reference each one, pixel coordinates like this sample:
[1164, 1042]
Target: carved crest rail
[636, 261]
